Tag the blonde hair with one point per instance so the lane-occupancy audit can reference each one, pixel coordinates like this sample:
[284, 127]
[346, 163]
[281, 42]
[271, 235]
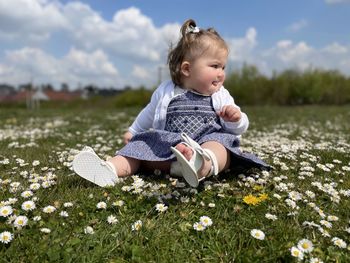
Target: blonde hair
[192, 44]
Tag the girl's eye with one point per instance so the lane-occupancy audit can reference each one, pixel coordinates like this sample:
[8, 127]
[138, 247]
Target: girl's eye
[218, 66]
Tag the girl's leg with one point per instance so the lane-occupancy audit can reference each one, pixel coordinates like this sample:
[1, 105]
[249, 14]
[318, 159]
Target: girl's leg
[125, 166]
[221, 153]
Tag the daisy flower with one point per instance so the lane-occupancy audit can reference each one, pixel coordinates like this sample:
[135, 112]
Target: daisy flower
[291, 203]
[24, 174]
[64, 214]
[310, 194]
[45, 230]
[35, 163]
[258, 234]
[12, 201]
[101, 205]
[68, 204]
[326, 223]
[46, 184]
[295, 252]
[34, 186]
[137, 225]
[339, 242]
[315, 260]
[27, 194]
[324, 232]
[271, 216]
[347, 230]
[11, 219]
[20, 221]
[161, 208]
[198, 226]
[184, 199]
[277, 196]
[112, 220]
[118, 203]
[36, 218]
[205, 221]
[49, 209]
[28, 206]
[305, 246]
[5, 211]
[126, 188]
[332, 218]
[6, 237]
[295, 196]
[89, 230]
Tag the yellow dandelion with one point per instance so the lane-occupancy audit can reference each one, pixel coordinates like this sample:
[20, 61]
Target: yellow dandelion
[263, 196]
[251, 200]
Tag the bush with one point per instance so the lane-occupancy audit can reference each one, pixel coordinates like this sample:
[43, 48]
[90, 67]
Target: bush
[132, 98]
[290, 87]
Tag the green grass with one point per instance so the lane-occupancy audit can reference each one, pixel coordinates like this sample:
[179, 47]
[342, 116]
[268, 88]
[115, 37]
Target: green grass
[293, 140]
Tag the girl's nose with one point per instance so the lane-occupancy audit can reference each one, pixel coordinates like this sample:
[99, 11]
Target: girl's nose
[221, 73]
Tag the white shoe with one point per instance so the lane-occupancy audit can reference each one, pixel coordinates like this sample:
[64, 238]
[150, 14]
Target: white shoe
[90, 167]
[176, 169]
[190, 168]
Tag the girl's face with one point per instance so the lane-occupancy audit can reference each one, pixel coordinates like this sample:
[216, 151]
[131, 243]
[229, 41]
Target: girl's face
[205, 74]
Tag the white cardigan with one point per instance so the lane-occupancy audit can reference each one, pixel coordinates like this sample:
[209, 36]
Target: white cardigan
[153, 116]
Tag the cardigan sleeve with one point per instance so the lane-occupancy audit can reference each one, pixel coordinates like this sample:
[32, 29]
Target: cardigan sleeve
[238, 127]
[144, 119]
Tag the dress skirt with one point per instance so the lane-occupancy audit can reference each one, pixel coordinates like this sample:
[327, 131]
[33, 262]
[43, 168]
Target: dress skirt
[193, 114]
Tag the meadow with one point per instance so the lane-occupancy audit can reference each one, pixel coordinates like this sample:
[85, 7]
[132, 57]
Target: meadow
[297, 212]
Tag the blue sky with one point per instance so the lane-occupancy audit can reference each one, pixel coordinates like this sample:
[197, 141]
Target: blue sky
[124, 42]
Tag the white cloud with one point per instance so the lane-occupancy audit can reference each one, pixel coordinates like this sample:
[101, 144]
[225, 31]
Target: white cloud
[130, 38]
[77, 67]
[140, 72]
[299, 25]
[130, 33]
[241, 48]
[125, 50]
[286, 54]
[336, 48]
[32, 20]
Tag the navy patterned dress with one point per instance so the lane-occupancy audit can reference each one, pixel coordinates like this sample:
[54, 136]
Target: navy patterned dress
[194, 115]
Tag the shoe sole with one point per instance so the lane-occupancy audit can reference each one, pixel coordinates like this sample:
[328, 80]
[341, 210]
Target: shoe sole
[90, 167]
[188, 169]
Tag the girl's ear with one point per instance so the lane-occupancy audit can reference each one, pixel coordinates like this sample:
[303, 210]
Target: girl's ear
[185, 68]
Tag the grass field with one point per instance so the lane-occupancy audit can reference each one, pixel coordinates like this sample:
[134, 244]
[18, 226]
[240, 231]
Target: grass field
[297, 212]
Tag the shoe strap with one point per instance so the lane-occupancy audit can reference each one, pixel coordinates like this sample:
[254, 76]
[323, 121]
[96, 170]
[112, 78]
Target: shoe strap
[207, 154]
[111, 166]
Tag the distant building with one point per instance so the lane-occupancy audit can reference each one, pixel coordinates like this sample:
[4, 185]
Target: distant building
[6, 91]
[25, 95]
[33, 96]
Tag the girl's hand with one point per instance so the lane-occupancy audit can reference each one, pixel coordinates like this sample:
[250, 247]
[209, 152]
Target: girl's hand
[127, 137]
[230, 113]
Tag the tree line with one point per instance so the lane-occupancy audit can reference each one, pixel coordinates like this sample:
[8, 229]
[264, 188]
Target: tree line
[290, 87]
[248, 86]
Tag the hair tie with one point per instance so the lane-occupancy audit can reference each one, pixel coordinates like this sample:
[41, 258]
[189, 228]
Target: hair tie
[192, 29]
